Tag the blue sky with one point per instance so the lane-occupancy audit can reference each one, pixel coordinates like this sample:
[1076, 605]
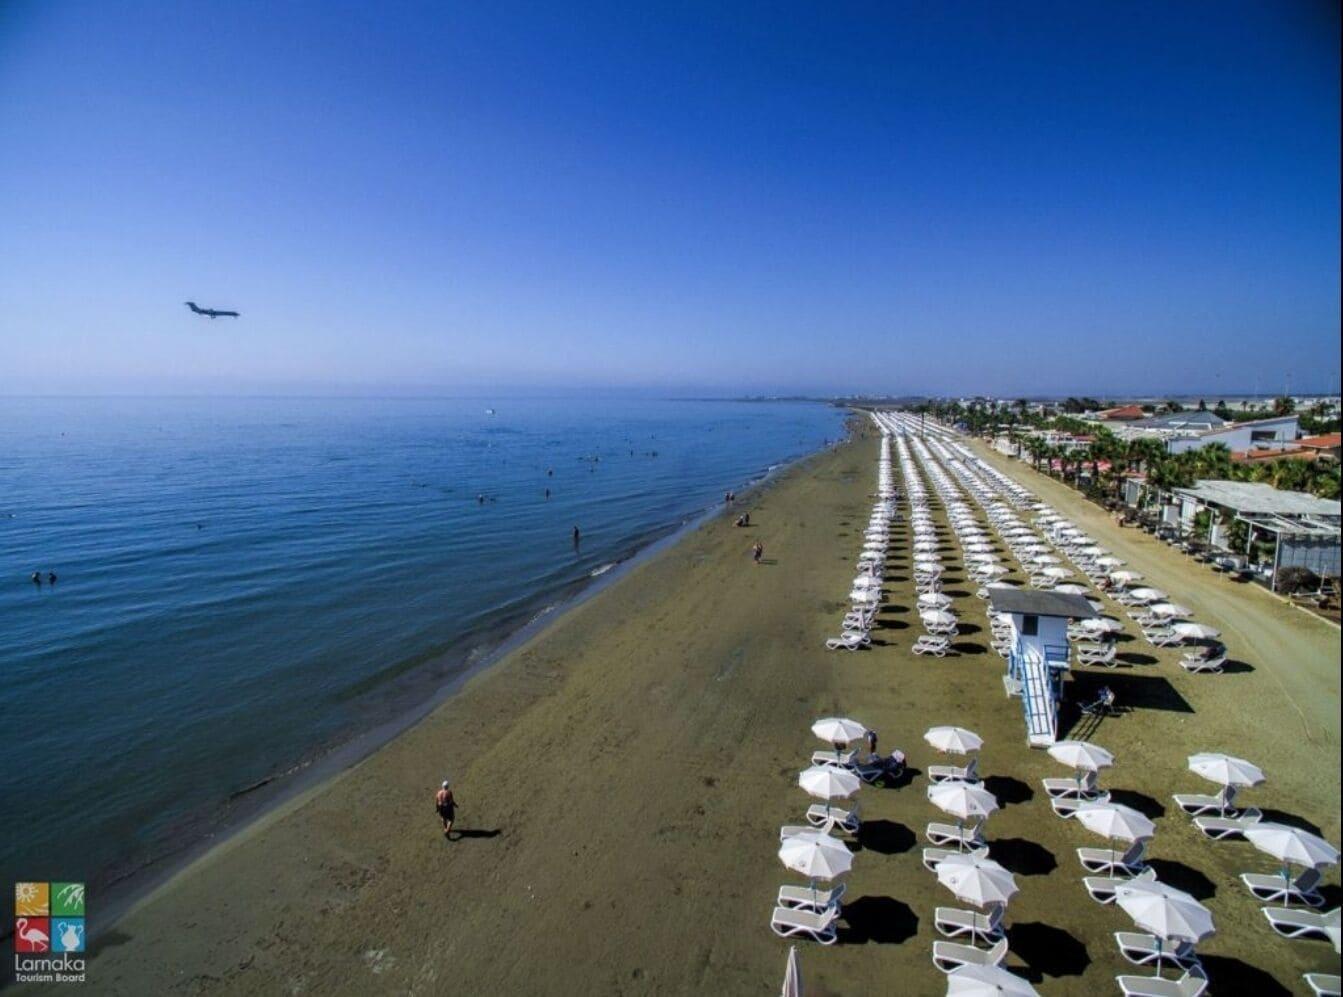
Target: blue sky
[1037, 198]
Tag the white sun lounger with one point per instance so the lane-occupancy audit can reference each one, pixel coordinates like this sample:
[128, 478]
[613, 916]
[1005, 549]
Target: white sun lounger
[819, 926]
[1292, 923]
[928, 644]
[932, 856]
[1066, 806]
[1323, 984]
[953, 923]
[949, 955]
[853, 641]
[950, 834]
[1191, 984]
[1271, 888]
[1083, 787]
[845, 759]
[1197, 666]
[826, 818]
[1110, 862]
[1163, 638]
[1142, 950]
[1219, 828]
[1196, 804]
[1102, 888]
[951, 773]
[1097, 654]
[805, 898]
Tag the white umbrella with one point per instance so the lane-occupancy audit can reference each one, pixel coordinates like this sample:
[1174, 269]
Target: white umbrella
[1196, 631]
[1125, 577]
[865, 595]
[938, 618]
[970, 980]
[1081, 755]
[956, 740]
[1291, 846]
[1109, 561]
[934, 600]
[978, 881]
[1056, 572]
[1102, 625]
[1071, 588]
[1044, 559]
[792, 976]
[994, 571]
[963, 800]
[838, 730]
[1114, 821]
[1169, 609]
[1148, 594]
[1170, 914]
[866, 582]
[1226, 770]
[828, 783]
[815, 855]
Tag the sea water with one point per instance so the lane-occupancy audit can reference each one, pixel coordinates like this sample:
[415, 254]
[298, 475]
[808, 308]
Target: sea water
[244, 583]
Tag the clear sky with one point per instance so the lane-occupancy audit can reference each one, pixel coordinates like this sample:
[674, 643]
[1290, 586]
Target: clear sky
[722, 196]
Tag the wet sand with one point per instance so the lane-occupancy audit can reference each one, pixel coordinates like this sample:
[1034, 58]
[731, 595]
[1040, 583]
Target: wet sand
[622, 778]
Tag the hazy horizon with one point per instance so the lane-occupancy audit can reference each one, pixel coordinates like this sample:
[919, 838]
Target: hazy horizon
[698, 200]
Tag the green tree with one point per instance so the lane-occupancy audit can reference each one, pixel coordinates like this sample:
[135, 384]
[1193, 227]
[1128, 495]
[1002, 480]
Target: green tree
[1284, 405]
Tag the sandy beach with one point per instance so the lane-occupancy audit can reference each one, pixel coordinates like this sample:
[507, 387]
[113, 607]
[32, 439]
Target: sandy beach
[622, 778]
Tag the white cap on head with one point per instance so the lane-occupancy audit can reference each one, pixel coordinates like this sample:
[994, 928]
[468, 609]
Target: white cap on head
[445, 783]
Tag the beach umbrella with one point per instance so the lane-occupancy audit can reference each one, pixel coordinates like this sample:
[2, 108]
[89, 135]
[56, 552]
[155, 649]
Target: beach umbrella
[1102, 625]
[995, 571]
[815, 855]
[938, 618]
[976, 880]
[1291, 846]
[866, 582]
[1148, 594]
[865, 595]
[1172, 915]
[1114, 821]
[1071, 588]
[1109, 561]
[987, 981]
[1093, 551]
[934, 600]
[1169, 609]
[963, 800]
[828, 782]
[1196, 631]
[1081, 755]
[955, 740]
[1125, 577]
[792, 976]
[1056, 572]
[838, 730]
[1226, 770]
[1044, 559]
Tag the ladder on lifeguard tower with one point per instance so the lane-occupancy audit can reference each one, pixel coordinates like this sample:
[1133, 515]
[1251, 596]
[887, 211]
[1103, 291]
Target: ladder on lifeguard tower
[1037, 696]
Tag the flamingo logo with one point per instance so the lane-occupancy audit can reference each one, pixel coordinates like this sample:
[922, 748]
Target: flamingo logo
[30, 934]
[48, 917]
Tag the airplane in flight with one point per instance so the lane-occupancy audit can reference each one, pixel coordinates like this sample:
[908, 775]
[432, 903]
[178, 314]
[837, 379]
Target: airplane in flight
[209, 312]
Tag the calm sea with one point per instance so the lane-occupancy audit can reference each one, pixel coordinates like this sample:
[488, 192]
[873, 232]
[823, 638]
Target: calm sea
[244, 583]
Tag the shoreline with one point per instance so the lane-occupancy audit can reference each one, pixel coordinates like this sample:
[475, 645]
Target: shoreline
[217, 824]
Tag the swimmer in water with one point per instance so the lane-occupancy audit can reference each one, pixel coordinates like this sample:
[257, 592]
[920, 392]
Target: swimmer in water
[37, 575]
[577, 536]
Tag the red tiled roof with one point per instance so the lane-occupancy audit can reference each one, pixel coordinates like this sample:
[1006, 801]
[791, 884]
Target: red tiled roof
[1123, 412]
[1323, 442]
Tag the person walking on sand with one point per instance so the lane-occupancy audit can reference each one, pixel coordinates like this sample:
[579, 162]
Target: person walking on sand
[446, 806]
[757, 551]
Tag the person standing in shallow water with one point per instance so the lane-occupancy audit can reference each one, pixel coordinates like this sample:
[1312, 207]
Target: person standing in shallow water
[37, 578]
[578, 536]
[757, 551]
[446, 806]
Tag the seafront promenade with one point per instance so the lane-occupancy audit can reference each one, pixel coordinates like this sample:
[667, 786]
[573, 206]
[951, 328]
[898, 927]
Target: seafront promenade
[623, 776]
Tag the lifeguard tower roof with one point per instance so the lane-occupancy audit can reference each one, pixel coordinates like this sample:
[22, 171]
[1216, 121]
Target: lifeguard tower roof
[1037, 603]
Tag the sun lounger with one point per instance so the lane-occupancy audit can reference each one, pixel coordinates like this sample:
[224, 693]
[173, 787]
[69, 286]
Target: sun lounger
[1323, 984]
[1196, 804]
[953, 923]
[1110, 862]
[949, 955]
[1097, 654]
[844, 760]
[819, 926]
[1291, 923]
[1066, 806]
[1191, 984]
[951, 773]
[1196, 666]
[1143, 950]
[851, 641]
[1102, 888]
[1084, 787]
[1162, 638]
[1271, 888]
[827, 818]
[927, 644]
[796, 830]
[1220, 828]
[950, 834]
[805, 898]
[932, 856]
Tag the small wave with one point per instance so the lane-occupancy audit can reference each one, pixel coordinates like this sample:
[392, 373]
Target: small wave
[601, 570]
